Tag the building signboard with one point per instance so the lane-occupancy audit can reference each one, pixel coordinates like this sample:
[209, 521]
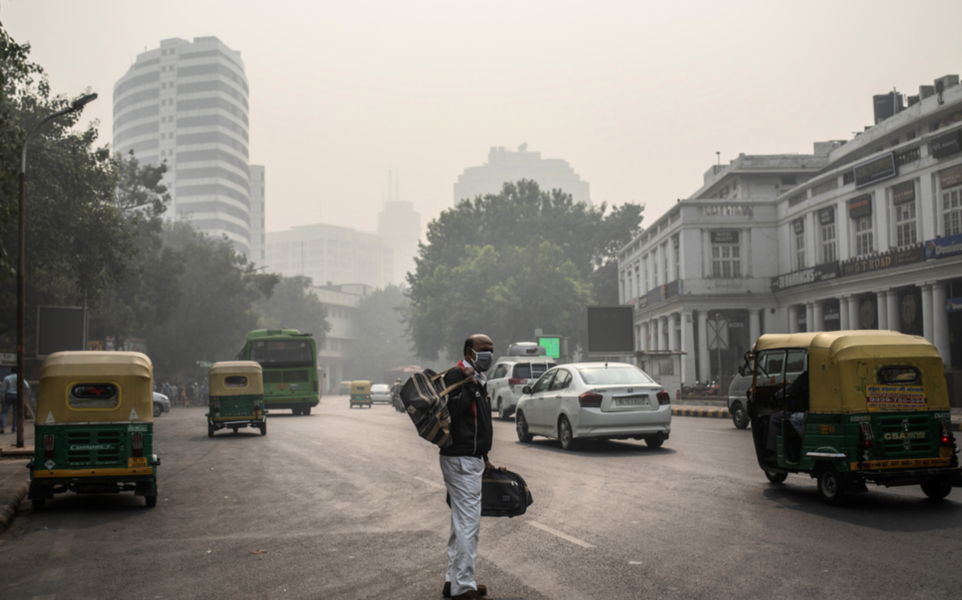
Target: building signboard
[943, 247]
[887, 260]
[724, 237]
[950, 177]
[826, 216]
[815, 274]
[860, 207]
[946, 145]
[953, 305]
[875, 170]
[799, 225]
[654, 296]
[903, 192]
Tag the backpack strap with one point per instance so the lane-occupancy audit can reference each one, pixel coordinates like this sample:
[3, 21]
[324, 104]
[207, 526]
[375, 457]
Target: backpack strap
[455, 386]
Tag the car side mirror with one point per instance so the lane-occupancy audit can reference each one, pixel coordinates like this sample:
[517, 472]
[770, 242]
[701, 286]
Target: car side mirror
[526, 389]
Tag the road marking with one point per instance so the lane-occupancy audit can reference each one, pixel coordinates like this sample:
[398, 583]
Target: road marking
[61, 545]
[47, 597]
[634, 562]
[561, 535]
[51, 574]
[429, 482]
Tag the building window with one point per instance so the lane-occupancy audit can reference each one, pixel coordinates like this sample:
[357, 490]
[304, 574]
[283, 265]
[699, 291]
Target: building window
[828, 243]
[863, 236]
[675, 244]
[952, 205]
[725, 261]
[905, 232]
[799, 251]
[664, 260]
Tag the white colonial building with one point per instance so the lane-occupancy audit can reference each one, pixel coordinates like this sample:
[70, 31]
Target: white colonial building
[864, 234]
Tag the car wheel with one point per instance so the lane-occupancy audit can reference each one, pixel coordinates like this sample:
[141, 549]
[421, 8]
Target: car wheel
[151, 501]
[37, 504]
[935, 490]
[654, 441]
[739, 416]
[831, 486]
[521, 425]
[501, 414]
[157, 410]
[776, 477]
[565, 435]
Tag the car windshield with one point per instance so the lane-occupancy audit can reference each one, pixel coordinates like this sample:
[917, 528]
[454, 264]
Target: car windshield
[283, 353]
[380, 387]
[613, 375]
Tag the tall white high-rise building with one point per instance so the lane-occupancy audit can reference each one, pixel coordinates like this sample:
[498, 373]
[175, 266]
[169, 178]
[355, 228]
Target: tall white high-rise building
[186, 103]
[506, 166]
[399, 225]
[330, 255]
[258, 195]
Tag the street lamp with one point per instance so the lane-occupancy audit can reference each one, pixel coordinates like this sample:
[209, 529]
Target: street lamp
[75, 106]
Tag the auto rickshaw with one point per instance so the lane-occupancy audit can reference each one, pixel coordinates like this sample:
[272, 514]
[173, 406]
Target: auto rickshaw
[236, 396]
[344, 389]
[94, 427]
[876, 411]
[361, 394]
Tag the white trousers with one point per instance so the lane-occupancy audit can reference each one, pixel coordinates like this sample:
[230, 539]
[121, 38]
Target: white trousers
[462, 476]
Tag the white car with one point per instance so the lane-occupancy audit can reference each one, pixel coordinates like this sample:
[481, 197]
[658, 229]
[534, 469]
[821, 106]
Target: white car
[161, 404]
[613, 401]
[509, 376]
[381, 392]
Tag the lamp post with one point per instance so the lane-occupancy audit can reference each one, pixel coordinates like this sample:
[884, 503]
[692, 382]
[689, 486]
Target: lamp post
[75, 106]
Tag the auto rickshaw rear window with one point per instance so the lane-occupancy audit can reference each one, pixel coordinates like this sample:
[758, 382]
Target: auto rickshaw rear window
[235, 381]
[94, 395]
[903, 375]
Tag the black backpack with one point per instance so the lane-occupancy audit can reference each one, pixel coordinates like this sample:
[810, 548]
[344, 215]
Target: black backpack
[425, 400]
[504, 493]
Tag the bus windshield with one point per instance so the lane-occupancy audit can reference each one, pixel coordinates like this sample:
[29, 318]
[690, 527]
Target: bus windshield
[283, 353]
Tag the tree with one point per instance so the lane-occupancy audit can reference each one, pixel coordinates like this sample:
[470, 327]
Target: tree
[380, 342]
[293, 306]
[538, 257]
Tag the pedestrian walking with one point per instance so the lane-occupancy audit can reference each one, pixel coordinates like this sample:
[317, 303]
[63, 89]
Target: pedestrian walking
[8, 400]
[464, 463]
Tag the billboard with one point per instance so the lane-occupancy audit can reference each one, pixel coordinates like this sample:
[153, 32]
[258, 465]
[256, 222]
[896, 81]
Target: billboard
[552, 346]
[60, 328]
[611, 330]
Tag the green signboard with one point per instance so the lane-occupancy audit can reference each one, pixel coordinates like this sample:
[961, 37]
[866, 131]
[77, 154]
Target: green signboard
[552, 346]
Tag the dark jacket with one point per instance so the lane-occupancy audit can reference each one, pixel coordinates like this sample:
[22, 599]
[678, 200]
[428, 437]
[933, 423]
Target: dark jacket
[470, 410]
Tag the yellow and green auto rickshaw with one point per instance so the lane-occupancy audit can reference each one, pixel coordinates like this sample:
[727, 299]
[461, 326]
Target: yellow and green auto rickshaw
[344, 389]
[850, 408]
[236, 396]
[94, 426]
[361, 394]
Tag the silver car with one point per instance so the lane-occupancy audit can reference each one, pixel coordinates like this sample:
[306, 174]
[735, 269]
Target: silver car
[381, 392]
[161, 404]
[610, 401]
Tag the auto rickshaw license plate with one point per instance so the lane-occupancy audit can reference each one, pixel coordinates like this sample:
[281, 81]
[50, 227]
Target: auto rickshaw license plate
[140, 461]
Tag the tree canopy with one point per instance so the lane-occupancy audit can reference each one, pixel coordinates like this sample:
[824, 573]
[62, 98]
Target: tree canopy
[293, 306]
[511, 262]
[380, 340]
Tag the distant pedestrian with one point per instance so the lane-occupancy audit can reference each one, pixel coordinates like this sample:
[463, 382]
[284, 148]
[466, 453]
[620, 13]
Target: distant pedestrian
[8, 395]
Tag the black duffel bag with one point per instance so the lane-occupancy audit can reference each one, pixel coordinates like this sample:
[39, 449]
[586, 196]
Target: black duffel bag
[504, 493]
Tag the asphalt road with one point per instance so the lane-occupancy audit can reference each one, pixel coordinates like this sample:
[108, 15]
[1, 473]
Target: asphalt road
[349, 504]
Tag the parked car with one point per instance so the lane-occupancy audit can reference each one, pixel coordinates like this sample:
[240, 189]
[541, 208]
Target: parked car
[381, 392]
[611, 401]
[737, 396]
[161, 404]
[509, 376]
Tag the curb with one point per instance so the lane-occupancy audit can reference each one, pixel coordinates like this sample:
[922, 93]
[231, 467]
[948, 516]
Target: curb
[717, 413]
[9, 505]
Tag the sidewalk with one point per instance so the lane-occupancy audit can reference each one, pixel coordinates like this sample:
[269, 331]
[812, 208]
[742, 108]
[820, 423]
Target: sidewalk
[14, 479]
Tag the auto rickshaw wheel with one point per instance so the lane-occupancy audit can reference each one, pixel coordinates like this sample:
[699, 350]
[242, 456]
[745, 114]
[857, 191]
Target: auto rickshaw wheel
[935, 490]
[776, 477]
[150, 501]
[37, 504]
[263, 427]
[210, 430]
[234, 429]
[831, 486]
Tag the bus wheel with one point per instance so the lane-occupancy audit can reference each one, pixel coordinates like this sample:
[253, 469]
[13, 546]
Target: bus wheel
[831, 486]
[935, 490]
[306, 410]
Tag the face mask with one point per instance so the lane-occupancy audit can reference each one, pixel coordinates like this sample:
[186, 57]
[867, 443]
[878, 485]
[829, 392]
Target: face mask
[483, 360]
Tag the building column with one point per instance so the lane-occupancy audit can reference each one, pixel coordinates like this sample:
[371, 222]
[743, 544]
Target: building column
[643, 339]
[927, 316]
[818, 316]
[809, 316]
[843, 323]
[704, 367]
[883, 311]
[892, 308]
[853, 317]
[940, 322]
[673, 341]
[687, 346]
[754, 326]
[792, 319]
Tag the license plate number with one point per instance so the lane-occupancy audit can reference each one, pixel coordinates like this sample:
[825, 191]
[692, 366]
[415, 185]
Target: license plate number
[633, 401]
[140, 461]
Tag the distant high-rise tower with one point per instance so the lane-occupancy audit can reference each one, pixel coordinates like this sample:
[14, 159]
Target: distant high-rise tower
[399, 225]
[186, 103]
[506, 166]
[258, 195]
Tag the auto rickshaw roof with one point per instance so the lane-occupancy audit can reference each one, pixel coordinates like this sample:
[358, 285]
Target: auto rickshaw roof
[236, 367]
[860, 343]
[96, 363]
[62, 371]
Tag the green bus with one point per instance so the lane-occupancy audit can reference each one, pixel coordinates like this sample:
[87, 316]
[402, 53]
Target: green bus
[289, 360]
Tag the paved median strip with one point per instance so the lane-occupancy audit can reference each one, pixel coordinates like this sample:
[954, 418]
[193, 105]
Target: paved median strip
[700, 411]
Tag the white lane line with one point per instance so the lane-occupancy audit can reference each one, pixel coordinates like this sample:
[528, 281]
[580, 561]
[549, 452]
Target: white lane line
[61, 545]
[52, 574]
[561, 535]
[47, 597]
[429, 482]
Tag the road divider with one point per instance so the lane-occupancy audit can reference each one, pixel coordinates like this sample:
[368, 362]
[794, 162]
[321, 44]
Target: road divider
[700, 411]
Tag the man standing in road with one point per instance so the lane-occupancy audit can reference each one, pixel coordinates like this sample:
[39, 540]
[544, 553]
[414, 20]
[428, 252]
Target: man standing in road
[464, 463]
[8, 399]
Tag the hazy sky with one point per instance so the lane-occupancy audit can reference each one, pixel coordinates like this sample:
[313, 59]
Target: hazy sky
[637, 96]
